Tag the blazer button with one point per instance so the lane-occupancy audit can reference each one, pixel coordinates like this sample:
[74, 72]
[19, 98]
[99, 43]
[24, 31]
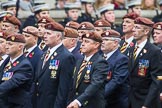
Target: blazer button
[37, 94]
[37, 83]
[86, 102]
[76, 93]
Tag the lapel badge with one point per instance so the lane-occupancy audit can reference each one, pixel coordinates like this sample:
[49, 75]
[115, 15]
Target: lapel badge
[55, 53]
[144, 51]
[52, 57]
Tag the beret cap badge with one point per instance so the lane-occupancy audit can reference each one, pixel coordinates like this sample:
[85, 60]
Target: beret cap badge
[13, 38]
[159, 27]
[44, 20]
[107, 33]
[83, 26]
[100, 23]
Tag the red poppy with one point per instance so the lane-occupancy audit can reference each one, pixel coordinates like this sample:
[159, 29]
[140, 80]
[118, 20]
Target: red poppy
[31, 54]
[14, 64]
[131, 44]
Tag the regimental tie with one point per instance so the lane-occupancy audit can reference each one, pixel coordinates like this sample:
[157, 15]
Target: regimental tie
[135, 52]
[1, 58]
[83, 65]
[46, 57]
[104, 56]
[124, 47]
[25, 53]
[8, 66]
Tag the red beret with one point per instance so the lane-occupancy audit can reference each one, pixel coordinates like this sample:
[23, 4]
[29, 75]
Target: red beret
[16, 38]
[72, 24]
[131, 15]
[144, 21]
[111, 33]
[93, 35]
[158, 26]
[102, 23]
[45, 20]
[12, 19]
[86, 26]
[54, 26]
[72, 33]
[31, 30]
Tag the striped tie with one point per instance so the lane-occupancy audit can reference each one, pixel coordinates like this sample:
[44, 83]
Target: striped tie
[46, 58]
[123, 48]
[135, 52]
[8, 66]
[25, 53]
[104, 56]
[83, 65]
[1, 58]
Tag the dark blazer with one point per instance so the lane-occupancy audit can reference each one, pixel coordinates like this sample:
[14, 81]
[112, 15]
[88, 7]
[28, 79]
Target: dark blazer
[90, 91]
[17, 88]
[76, 53]
[116, 89]
[127, 51]
[55, 79]
[2, 66]
[34, 56]
[144, 86]
[3, 100]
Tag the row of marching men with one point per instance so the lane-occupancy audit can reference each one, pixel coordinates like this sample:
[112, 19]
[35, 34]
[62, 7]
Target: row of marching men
[81, 65]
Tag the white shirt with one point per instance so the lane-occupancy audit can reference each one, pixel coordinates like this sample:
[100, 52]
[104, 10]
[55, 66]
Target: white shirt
[31, 49]
[71, 49]
[52, 50]
[140, 47]
[13, 60]
[4, 58]
[87, 59]
[109, 54]
[129, 40]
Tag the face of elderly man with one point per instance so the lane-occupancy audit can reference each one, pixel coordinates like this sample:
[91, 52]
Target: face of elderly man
[157, 36]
